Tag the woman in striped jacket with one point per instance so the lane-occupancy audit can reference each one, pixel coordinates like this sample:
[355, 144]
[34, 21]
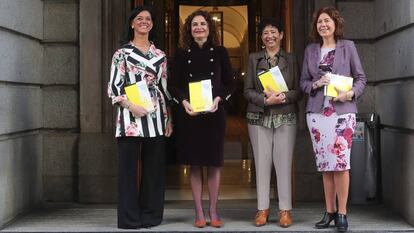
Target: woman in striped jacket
[140, 132]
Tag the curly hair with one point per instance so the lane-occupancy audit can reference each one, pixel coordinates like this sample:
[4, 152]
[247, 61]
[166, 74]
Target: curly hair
[336, 17]
[187, 38]
[269, 21]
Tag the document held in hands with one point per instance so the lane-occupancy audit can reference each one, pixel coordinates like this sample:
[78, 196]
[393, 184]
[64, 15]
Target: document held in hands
[201, 96]
[273, 80]
[337, 82]
[138, 94]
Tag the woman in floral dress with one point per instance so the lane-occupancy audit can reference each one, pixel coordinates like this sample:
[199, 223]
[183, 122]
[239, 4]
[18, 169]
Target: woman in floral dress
[140, 133]
[331, 121]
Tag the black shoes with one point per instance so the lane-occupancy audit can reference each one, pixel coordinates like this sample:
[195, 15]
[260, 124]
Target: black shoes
[340, 220]
[341, 223]
[326, 220]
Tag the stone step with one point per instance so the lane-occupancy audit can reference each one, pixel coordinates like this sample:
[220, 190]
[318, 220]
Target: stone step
[179, 217]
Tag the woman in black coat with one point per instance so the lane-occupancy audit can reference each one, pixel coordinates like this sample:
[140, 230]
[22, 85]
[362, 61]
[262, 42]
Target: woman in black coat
[200, 136]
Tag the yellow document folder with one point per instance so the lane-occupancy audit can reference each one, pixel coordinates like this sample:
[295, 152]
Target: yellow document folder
[201, 96]
[273, 80]
[138, 94]
[337, 82]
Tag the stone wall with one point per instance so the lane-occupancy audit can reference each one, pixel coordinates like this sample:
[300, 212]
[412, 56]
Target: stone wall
[20, 106]
[39, 96]
[394, 30]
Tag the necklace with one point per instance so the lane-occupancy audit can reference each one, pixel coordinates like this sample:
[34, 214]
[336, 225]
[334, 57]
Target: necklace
[142, 47]
[145, 45]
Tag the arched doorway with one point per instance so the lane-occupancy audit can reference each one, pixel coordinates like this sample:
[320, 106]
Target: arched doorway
[237, 22]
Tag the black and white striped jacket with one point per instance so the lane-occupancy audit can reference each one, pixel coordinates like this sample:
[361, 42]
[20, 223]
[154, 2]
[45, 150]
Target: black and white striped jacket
[130, 65]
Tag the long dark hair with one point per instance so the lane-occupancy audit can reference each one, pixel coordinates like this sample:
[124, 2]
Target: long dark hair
[188, 38]
[129, 32]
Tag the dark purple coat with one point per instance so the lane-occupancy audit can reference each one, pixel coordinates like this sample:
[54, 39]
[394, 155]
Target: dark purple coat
[346, 62]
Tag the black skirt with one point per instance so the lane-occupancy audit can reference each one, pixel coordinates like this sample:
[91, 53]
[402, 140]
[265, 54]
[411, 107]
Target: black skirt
[200, 139]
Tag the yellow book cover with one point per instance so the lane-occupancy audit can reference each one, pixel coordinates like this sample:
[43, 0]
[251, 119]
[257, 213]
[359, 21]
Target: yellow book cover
[338, 82]
[273, 80]
[138, 94]
[201, 96]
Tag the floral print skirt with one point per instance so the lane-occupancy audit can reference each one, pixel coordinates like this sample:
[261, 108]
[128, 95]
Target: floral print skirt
[331, 138]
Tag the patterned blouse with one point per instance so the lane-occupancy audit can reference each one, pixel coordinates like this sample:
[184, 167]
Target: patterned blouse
[130, 65]
[325, 66]
[269, 119]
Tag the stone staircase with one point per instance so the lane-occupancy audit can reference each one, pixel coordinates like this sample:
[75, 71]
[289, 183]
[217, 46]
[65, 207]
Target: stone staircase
[178, 217]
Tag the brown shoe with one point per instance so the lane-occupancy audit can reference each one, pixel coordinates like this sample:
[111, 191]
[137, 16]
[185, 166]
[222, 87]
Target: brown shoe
[285, 218]
[261, 217]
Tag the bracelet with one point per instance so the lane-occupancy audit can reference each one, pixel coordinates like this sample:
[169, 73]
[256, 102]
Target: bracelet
[127, 105]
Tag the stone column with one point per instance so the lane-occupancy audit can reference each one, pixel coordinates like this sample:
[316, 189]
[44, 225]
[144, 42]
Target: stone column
[102, 23]
[60, 99]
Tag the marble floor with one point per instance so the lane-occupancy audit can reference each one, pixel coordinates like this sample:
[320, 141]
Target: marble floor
[237, 181]
[238, 175]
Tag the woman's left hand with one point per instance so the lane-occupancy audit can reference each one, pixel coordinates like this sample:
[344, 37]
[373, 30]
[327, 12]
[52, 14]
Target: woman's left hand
[215, 104]
[168, 129]
[344, 96]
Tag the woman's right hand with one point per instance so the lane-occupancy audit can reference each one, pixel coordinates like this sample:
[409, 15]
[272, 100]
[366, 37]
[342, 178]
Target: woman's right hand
[137, 111]
[323, 81]
[188, 108]
[273, 98]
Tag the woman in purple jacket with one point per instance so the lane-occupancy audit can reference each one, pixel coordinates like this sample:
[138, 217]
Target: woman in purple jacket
[331, 121]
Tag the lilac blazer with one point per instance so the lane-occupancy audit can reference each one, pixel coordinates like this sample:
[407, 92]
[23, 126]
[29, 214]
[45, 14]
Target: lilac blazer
[346, 63]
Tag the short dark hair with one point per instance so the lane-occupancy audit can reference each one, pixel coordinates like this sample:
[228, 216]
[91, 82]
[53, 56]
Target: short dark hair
[187, 38]
[336, 17]
[269, 21]
[129, 32]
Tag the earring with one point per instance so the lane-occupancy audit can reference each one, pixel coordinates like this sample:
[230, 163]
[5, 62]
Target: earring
[263, 46]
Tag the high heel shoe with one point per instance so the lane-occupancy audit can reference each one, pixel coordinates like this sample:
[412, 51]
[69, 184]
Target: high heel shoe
[200, 223]
[216, 222]
[261, 217]
[326, 220]
[341, 223]
[285, 218]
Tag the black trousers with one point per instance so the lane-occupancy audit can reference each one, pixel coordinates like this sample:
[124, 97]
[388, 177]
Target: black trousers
[143, 207]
